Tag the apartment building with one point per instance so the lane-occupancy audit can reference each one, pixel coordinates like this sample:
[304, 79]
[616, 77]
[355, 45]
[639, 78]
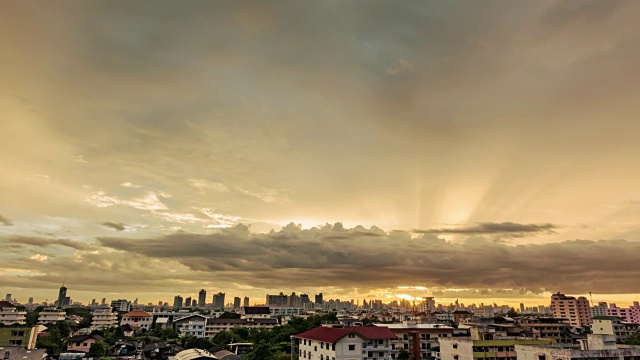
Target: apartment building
[595, 347]
[103, 318]
[630, 314]
[215, 325]
[51, 316]
[545, 328]
[193, 325]
[137, 319]
[613, 325]
[332, 343]
[486, 349]
[576, 310]
[25, 336]
[420, 340]
[121, 305]
[9, 314]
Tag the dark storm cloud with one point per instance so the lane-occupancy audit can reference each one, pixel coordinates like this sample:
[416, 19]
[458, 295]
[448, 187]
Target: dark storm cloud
[488, 228]
[22, 241]
[115, 226]
[297, 257]
[4, 221]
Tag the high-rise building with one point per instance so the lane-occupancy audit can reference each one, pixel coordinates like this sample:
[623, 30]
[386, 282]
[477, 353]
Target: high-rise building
[187, 302]
[8, 298]
[277, 300]
[319, 299]
[194, 303]
[177, 302]
[62, 296]
[104, 301]
[304, 299]
[246, 301]
[202, 297]
[236, 302]
[218, 300]
[30, 300]
[577, 311]
[121, 305]
[521, 308]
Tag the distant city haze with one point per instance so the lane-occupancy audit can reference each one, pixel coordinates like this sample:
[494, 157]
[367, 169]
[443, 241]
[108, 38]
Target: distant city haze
[474, 151]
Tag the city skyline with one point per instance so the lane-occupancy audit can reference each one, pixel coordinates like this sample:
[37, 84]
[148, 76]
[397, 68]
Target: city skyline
[476, 151]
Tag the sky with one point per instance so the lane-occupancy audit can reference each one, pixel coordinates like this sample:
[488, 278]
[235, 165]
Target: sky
[482, 151]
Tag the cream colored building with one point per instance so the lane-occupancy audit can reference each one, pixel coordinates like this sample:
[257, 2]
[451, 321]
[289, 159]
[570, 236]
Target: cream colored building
[9, 314]
[576, 310]
[51, 316]
[103, 318]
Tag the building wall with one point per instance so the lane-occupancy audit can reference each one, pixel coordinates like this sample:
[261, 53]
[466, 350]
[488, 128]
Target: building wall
[577, 311]
[25, 336]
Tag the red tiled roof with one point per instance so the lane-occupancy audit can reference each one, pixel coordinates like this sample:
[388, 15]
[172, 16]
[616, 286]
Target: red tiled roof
[373, 332]
[325, 334]
[331, 335]
[137, 313]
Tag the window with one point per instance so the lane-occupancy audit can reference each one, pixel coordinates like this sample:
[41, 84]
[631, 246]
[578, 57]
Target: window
[7, 354]
[352, 347]
[455, 346]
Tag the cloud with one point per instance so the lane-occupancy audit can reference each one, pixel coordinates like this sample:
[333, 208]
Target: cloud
[203, 184]
[39, 257]
[130, 185]
[328, 257]
[5, 222]
[400, 67]
[488, 228]
[115, 226]
[44, 242]
[150, 201]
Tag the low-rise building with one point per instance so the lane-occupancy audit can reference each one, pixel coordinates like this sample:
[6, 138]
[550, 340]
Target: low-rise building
[138, 319]
[468, 348]
[10, 315]
[420, 340]
[613, 325]
[25, 336]
[82, 343]
[51, 316]
[193, 325]
[330, 343]
[103, 318]
[20, 353]
[121, 305]
[595, 347]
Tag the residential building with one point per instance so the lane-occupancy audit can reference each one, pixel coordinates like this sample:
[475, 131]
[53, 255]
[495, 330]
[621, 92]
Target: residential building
[51, 316]
[215, 325]
[600, 310]
[595, 347]
[331, 343]
[218, 300]
[277, 300]
[20, 353]
[82, 343]
[25, 336]
[103, 318]
[286, 311]
[576, 311]
[187, 302]
[545, 328]
[318, 299]
[10, 315]
[202, 297]
[121, 305]
[193, 325]
[256, 312]
[137, 319]
[417, 339]
[245, 303]
[428, 305]
[468, 348]
[613, 325]
[630, 314]
[236, 302]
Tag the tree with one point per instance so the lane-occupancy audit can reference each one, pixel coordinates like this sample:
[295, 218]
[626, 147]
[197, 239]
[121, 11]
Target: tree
[512, 313]
[32, 318]
[97, 349]
[229, 315]
[403, 355]
[634, 339]
[260, 351]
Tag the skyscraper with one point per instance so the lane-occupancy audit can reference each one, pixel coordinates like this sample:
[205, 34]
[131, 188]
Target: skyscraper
[177, 302]
[319, 299]
[202, 297]
[187, 302]
[246, 301]
[236, 302]
[218, 300]
[62, 295]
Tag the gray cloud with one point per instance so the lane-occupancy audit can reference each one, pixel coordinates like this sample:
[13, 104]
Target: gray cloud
[488, 228]
[4, 221]
[21, 241]
[114, 226]
[294, 257]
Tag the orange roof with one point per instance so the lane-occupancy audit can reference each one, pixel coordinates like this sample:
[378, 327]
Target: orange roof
[137, 313]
